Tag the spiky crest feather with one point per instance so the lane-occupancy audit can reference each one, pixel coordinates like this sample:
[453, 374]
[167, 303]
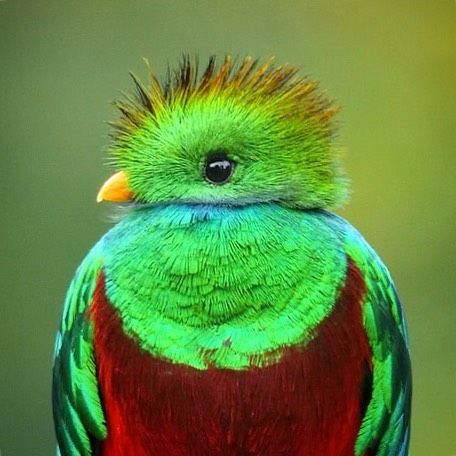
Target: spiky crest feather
[295, 96]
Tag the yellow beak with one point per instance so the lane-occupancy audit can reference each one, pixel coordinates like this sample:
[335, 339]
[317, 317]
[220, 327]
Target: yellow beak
[115, 189]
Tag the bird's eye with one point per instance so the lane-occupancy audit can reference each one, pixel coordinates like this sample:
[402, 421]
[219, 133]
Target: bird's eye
[218, 168]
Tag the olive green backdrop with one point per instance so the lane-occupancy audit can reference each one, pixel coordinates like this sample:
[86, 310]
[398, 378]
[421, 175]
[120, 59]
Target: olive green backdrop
[390, 64]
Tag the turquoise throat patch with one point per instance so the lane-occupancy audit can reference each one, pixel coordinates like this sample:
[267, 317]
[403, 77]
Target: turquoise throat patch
[222, 286]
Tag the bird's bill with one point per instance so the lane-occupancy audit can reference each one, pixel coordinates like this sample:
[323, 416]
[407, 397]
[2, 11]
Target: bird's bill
[115, 189]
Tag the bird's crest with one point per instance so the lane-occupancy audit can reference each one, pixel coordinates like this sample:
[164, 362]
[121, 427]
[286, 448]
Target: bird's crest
[248, 79]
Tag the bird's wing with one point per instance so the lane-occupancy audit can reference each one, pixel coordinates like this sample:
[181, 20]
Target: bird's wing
[78, 414]
[386, 424]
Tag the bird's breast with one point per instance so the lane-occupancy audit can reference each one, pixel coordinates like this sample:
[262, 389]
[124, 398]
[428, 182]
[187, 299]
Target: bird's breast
[208, 285]
[308, 402]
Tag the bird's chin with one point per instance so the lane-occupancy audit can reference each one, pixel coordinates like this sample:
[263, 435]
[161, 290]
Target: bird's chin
[197, 201]
[122, 210]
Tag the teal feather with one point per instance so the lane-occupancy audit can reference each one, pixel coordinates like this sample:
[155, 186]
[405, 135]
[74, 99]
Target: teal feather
[386, 423]
[77, 407]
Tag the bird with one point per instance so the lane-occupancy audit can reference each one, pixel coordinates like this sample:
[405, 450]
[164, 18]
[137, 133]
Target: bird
[229, 311]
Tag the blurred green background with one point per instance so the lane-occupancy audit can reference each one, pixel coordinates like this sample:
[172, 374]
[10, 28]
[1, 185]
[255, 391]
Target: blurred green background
[390, 64]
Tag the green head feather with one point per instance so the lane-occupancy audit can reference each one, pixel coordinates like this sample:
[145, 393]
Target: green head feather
[273, 126]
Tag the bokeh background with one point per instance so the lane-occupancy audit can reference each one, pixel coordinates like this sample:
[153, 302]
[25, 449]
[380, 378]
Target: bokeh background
[390, 64]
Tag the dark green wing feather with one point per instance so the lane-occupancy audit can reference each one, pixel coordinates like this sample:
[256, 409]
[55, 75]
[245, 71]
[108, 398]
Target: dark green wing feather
[78, 414]
[386, 424]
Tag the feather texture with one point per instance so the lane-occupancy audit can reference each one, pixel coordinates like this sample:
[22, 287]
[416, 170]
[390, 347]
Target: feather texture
[275, 125]
[308, 401]
[359, 341]
[232, 316]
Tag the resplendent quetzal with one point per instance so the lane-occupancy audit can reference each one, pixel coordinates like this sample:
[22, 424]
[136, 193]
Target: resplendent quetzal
[228, 313]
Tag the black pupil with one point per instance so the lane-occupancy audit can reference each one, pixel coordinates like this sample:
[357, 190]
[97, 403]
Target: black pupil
[218, 169]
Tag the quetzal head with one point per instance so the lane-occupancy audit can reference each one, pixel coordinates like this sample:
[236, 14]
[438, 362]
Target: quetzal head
[236, 134]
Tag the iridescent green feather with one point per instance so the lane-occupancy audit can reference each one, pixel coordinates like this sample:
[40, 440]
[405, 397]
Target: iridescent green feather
[77, 409]
[387, 420]
[276, 126]
[185, 279]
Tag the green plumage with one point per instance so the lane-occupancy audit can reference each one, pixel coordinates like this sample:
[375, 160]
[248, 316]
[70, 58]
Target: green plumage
[76, 403]
[388, 414]
[219, 275]
[274, 125]
[203, 276]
